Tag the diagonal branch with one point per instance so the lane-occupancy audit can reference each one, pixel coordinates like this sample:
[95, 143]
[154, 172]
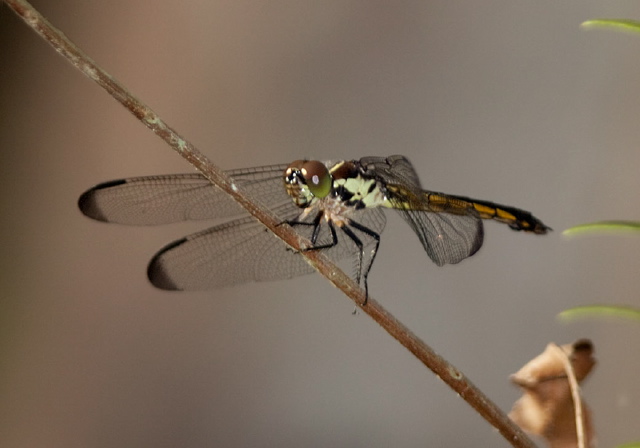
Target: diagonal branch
[444, 370]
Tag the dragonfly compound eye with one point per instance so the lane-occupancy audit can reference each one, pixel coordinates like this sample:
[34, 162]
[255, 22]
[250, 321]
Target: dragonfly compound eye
[317, 177]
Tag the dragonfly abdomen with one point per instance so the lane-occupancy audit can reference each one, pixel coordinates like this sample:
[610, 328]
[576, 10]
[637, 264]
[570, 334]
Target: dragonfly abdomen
[515, 218]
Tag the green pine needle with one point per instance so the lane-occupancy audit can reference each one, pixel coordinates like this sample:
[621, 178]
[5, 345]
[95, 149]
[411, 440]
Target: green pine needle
[615, 227]
[616, 24]
[597, 311]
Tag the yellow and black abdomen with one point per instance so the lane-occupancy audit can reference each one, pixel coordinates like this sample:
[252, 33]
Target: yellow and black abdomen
[402, 198]
[515, 218]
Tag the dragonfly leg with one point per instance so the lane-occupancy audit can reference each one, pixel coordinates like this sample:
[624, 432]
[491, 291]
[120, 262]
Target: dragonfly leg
[374, 252]
[317, 225]
[362, 271]
[314, 238]
[360, 246]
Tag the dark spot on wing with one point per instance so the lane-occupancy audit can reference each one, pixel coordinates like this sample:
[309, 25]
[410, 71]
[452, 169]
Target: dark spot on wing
[87, 201]
[156, 271]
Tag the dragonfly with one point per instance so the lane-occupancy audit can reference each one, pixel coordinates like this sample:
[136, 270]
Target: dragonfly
[337, 205]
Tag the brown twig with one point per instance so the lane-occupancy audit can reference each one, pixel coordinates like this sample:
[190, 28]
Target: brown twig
[443, 369]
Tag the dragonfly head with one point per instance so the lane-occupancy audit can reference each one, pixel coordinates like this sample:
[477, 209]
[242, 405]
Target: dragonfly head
[305, 180]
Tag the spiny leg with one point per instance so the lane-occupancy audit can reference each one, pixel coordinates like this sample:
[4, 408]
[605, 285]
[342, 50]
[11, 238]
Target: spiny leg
[360, 246]
[364, 275]
[317, 225]
[374, 252]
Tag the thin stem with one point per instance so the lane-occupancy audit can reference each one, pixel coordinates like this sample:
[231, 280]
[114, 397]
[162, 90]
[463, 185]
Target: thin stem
[443, 369]
[575, 394]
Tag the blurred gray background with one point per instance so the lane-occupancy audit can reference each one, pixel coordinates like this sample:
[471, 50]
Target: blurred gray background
[500, 100]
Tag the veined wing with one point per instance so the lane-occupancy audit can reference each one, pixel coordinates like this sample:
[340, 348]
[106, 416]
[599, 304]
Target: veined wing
[164, 199]
[392, 170]
[448, 234]
[243, 251]
[235, 252]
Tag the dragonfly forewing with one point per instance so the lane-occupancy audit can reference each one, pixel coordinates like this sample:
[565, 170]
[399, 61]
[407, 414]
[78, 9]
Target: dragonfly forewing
[154, 200]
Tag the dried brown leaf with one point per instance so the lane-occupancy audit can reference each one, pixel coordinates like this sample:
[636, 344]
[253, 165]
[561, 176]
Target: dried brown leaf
[546, 407]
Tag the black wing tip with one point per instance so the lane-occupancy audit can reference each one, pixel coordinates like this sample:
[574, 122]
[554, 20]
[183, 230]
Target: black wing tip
[109, 184]
[87, 201]
[156, 272]
[88, 207]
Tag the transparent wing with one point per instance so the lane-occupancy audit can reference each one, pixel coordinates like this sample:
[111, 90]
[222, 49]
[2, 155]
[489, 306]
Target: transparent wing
[450, 230]
[447, 238]
[243, 251]
[155, 200]
[235, 252]
[392, 170]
